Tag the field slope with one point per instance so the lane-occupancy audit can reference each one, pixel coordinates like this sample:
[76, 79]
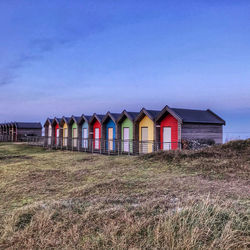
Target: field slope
[171, 200]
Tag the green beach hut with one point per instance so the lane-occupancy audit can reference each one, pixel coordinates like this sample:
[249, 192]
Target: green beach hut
[126, 128]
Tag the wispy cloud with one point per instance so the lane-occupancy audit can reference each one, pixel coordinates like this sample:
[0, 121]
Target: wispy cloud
[7, 78]
[10, 72]
[36, 50]
[43, 45]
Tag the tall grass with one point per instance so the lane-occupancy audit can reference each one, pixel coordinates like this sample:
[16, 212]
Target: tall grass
[200, 225]
[168, 200]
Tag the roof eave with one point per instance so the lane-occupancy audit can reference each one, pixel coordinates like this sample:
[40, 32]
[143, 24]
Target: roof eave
[171, 112]
[218, 117]
[47, 121]
[95, 116]
[145, 112]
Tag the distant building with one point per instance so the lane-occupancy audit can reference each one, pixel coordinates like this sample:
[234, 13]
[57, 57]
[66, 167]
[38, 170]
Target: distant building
[16, 130]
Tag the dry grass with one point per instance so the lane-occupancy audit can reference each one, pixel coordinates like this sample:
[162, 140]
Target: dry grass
[173, 200]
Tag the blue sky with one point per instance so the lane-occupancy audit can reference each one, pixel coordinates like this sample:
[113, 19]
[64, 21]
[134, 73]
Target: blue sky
[65, 57]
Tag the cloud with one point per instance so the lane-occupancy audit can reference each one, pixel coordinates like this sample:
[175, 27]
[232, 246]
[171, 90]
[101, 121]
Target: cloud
[7, 78]
[36, 50]
[10, 73]
[43, 45]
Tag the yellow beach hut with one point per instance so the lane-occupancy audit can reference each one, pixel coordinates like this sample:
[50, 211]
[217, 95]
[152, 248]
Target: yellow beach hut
[146, 130]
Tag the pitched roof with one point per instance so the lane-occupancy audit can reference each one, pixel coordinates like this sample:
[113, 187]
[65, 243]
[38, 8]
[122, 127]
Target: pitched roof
[58, 120]
[66, 119]
[100, 116]
[153, 113]
[84, 118]
[27, 125]
[115, 115]
[76, 118]
[198, 116]
[130, 115]
[88, 117]
[97, 116]
[133, 114]
[49, 120]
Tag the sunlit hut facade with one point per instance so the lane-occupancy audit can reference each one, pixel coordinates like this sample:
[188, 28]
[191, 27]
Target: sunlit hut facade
[145, 130]
[95, 133]
[56, 131]
[109, 130]
[83, 127]
[66, 135]
[126, 126]
[48, 130]
[12, 131]
[177, 125]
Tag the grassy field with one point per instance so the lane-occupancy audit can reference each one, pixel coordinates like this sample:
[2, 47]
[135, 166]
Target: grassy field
[171, 200]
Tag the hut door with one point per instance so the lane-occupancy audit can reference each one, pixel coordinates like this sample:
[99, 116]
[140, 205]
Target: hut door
[126, 139]
[166, 138]
[65, 137]
[75, 137]
[110, 138]
[97, 138]
[144, 138]
[57, 136]
[85, 138]
[49, 135]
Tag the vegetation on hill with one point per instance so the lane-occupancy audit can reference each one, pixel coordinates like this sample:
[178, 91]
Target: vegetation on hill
[173, 200]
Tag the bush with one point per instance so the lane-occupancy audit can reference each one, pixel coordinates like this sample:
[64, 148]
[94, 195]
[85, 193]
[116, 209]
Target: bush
[197, 143]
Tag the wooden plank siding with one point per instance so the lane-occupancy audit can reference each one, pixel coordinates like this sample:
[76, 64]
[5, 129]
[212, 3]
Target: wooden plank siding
[190, 131]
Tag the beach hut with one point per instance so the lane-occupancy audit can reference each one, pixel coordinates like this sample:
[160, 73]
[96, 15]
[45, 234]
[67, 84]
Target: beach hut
[95, 126]
[83, 126]
[30, 129]
[8, 130]
[73, 127]
[146, 130]
[18, 130]
[109, 130]
[127, 129]
[188, 124]
[66, 135]
[12, 129]
[4, 131]
[48, 131]
[56, 131]
[14, 132]
[1, 132]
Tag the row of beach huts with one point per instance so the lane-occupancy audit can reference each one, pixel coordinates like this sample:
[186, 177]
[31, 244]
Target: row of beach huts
[134, 132]
[127, 132]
